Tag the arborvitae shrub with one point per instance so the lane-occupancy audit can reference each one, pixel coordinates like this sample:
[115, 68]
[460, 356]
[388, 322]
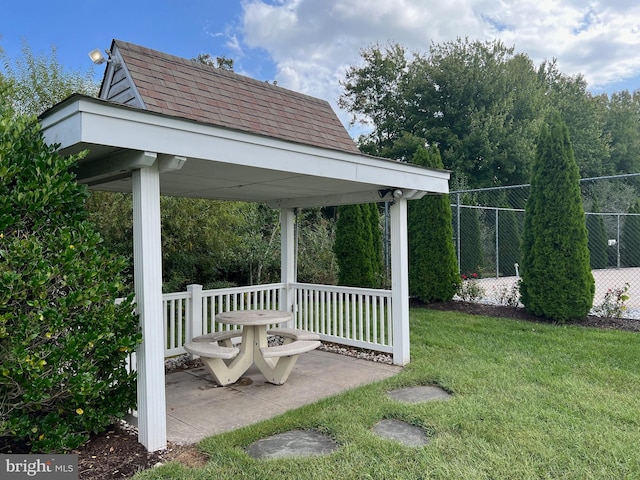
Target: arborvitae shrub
[63, 340]
[556, 276]
[433, 269]
[353, 247]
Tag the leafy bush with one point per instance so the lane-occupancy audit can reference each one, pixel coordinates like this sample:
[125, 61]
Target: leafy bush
[613, 303]
[470, 290]
[63, 341]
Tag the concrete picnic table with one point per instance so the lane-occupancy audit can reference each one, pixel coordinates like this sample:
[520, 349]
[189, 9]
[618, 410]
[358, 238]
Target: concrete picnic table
[227, 362]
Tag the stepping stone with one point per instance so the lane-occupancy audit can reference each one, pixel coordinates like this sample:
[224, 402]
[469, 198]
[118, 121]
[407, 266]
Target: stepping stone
[295, 443]
[401, 432]
[426, 393]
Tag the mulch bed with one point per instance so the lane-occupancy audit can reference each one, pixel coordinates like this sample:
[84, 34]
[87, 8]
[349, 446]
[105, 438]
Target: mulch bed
[116, 453]
[515, 313]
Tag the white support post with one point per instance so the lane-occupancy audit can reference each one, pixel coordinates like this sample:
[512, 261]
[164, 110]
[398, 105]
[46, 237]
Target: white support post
[194, 322]
[400, 282]
[287, 258]
[147, 248]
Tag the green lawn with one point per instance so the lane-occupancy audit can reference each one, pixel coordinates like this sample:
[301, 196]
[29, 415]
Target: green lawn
[530, 401]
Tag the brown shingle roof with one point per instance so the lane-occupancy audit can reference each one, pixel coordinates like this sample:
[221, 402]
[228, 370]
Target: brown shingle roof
[184, 88]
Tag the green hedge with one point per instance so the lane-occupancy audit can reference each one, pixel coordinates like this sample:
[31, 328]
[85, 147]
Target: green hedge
[63, 341]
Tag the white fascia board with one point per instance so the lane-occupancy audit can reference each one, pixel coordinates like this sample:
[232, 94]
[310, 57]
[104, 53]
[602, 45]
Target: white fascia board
[123, 127]
[63, 126]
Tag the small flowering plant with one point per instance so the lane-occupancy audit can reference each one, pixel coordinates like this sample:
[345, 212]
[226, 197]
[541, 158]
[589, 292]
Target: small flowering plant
[613, 304]
[470, 290]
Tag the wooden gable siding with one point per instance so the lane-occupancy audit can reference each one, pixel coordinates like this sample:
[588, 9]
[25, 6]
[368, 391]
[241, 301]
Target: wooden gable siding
[121, 89]
[184, 88]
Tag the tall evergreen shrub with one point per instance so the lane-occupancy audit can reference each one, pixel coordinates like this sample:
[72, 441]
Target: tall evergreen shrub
[556, 277]
[433, 268]
[353, 247]
[63, 341]
[377, 266]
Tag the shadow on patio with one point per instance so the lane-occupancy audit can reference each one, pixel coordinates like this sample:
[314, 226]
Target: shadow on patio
[198, 408]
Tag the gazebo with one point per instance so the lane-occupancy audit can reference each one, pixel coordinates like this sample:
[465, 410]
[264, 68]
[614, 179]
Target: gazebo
[165, 125]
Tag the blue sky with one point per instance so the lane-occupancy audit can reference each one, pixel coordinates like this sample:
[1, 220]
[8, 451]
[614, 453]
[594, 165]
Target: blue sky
[306, 45]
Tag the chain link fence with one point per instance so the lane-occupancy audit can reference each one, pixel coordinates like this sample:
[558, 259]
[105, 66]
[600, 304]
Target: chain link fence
[488, 225]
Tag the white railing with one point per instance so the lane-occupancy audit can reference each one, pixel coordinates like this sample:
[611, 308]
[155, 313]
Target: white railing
[359, 317]
[258, 297]
[176, 310]
[191, 313]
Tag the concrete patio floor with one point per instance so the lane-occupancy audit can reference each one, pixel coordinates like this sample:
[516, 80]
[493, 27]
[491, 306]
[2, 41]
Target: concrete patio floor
[198, 408]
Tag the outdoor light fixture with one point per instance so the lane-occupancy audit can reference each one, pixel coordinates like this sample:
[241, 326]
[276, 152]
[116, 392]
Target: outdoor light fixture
[97, 57]
[396, 193]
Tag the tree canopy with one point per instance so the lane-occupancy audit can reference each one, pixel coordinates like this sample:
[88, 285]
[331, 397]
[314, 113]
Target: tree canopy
[482, 104]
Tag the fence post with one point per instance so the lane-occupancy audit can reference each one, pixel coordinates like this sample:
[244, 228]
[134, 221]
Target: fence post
[497, 247]
[618, 243]
[458, 228]
[194, 319]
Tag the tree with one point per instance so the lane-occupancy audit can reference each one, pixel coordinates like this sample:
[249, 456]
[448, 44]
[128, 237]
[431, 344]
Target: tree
[630, 237]
[222, 62]
[316, 237]
[63, 340]
[373, 94]
[597, 238]
[481, 103]
[433, 267]
[556, 277]
[584, 116]
[40, 81]
[622, 121]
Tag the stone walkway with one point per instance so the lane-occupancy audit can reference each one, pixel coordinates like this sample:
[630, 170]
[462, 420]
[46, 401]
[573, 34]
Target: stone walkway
[301, 443]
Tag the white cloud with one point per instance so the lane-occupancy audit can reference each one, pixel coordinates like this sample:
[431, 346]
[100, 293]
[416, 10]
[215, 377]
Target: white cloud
[313, 41]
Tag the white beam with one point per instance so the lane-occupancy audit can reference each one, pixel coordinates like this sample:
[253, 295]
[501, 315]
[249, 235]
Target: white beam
[114, 165]
[400, 282]
[152, 420]
[287, 257]
[371, 196]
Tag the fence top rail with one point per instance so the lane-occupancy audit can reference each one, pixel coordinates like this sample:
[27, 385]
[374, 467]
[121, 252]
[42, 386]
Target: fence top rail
[252, 288]
[337, 288]
[176, 296]
[524, 185]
